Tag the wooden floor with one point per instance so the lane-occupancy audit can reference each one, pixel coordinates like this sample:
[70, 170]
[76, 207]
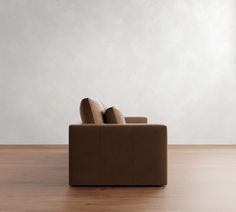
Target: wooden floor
[35, 178]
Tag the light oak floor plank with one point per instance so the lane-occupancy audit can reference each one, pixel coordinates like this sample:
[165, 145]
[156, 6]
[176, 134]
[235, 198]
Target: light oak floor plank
[35, 178]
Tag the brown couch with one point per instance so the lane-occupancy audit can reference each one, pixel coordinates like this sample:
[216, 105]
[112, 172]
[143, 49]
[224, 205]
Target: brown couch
[132, 154]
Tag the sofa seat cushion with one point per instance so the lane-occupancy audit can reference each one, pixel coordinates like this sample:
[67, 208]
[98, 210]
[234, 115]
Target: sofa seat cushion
[114, 116]
[91, 111]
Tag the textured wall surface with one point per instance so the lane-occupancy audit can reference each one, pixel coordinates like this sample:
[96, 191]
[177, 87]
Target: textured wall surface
[173, 61]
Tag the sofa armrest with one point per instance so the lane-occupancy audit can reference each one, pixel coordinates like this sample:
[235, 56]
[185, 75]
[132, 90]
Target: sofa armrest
[137, 120]
[112, 154]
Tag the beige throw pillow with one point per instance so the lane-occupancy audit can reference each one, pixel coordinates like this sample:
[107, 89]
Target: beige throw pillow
[114, 116]
[91, 111]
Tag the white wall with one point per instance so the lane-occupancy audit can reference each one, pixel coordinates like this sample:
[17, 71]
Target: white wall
[171, 60]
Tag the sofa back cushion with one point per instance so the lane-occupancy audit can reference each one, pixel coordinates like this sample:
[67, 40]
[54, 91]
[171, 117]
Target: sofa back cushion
[114, 116]
[91, 111]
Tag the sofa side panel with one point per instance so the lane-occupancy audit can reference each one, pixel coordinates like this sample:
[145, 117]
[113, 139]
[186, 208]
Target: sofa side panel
[84, 156]
[150, 153]
[117, 155]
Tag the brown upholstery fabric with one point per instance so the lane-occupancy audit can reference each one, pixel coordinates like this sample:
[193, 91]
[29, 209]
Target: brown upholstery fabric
[114, 116]
[136, 120]
[118, 155]
[91, 111]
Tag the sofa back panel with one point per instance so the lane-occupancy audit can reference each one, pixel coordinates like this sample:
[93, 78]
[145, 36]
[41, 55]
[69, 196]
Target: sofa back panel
[91, 111]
